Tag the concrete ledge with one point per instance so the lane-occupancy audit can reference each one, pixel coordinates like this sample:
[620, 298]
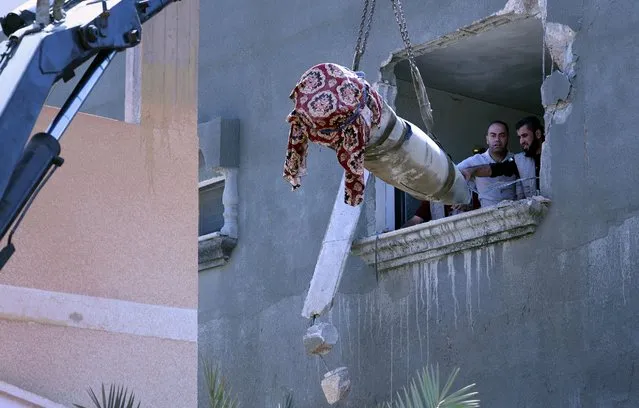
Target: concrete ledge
[214, 250]
[14, 397]
[104, 314]
[439, 238]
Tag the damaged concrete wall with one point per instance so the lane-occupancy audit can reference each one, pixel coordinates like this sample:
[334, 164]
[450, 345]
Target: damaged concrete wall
[545, 321]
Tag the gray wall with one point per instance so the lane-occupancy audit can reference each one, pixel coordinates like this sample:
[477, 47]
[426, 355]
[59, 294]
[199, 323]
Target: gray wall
[548, 321]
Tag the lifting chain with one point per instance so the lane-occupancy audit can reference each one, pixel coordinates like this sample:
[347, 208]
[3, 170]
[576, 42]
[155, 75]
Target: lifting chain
[420, 89]
[362, 37]
[401, 22]
[360, 48]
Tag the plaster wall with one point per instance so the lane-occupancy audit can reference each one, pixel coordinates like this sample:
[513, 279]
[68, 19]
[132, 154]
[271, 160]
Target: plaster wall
[103, 286]
[549, 320]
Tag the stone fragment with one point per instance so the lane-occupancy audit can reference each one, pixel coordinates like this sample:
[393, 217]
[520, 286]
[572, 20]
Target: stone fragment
[336, 385]
[320, 338]
[555, 88]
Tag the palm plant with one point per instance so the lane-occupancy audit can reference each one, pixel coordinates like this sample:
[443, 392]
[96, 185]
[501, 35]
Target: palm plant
[288, 401]
[219, 393]
[426, 393]
[117, 398]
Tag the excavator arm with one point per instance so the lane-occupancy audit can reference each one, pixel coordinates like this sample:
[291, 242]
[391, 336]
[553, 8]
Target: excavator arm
[47, 41]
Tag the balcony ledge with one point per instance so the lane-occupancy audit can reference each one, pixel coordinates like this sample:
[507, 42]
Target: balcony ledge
[435, 239]
[214, 250]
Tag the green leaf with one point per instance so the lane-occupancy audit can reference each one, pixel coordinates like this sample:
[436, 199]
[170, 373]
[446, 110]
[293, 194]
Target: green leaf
[288, 401]
[118, 397]
[219, 394]
[425, 392]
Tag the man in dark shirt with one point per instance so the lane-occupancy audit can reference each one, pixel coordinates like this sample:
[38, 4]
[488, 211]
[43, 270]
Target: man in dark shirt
[424, 214]
[525, 165]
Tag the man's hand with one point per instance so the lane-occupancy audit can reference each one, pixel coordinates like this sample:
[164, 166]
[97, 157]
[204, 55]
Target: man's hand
[467, 173]
[483, 170]
[460, 208]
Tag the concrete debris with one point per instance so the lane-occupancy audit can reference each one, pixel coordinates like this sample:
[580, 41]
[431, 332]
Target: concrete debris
[559, 39]
[320, 338]
[556, 88]
[528, 7]
[558, 113]
[336, 385]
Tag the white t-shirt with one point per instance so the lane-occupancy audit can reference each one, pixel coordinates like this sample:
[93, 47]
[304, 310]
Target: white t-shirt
[527, 187]
[490, 192]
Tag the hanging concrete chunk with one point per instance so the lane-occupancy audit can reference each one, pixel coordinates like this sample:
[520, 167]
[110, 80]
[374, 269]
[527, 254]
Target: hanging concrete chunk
[320, 338]
[336, 385]
[336, 247]
[555, 88]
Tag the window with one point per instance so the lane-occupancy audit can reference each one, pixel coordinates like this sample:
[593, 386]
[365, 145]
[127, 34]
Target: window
[215, 243]
[211, 217]
[491, 70]
[477, 75]
[218, 193]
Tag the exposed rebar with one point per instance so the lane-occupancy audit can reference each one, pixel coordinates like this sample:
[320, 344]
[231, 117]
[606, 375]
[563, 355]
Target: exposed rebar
[58, 12]
[42, 12]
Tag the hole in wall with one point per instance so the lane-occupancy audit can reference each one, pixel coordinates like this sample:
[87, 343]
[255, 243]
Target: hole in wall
[476, 75]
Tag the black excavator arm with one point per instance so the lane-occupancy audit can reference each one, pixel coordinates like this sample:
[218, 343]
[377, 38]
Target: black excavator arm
[46, 43]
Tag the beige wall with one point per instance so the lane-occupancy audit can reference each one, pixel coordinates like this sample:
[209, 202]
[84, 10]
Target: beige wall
[103, 286]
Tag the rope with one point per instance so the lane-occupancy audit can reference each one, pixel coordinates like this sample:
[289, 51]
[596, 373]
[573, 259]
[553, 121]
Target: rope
[502, 185]
[376, 261]
[325, 365]
[351, 118]
[58, 13]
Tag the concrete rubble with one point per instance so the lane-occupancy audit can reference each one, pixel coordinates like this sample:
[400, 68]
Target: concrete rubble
[336, 385]
[320, 338]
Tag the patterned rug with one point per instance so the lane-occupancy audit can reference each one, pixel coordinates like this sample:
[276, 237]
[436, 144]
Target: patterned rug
[337, 108]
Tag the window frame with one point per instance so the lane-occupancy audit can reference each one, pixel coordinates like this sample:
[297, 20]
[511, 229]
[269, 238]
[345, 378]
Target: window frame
[386, 202]
[211, 183]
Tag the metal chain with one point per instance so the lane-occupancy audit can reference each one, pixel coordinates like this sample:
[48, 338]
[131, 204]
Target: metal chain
[401, 21]
[362, 37]
[418, 84]
[361, 27]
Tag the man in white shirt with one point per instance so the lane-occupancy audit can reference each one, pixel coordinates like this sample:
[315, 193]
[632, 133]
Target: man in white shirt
[492, 190]
[525, 166]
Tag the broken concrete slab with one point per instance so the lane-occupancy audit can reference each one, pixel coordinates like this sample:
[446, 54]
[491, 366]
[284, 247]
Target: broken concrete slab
[559, 39]
[336, 247]
[555, 88]
[320, 338]
[557, 114]
[528, 7]
[336, 385]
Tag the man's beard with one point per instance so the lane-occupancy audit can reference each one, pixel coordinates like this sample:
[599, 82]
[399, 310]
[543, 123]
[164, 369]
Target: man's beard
[532, 149]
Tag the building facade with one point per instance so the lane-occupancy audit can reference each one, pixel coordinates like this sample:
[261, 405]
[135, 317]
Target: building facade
[535, 301]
